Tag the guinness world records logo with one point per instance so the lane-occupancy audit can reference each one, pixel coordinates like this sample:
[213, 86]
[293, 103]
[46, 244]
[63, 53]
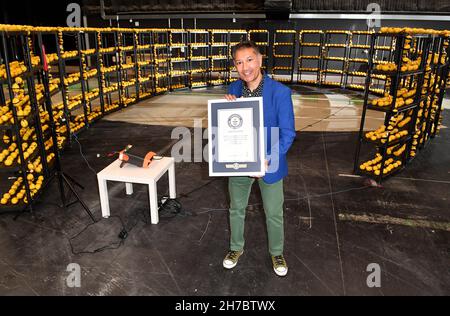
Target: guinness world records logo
[235, 121]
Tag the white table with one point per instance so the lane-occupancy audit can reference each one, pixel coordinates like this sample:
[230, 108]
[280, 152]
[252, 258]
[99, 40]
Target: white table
[132, 174]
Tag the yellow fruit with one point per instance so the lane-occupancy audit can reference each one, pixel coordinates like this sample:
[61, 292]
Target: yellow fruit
[3, 201]
[14, 200]
[30, 176]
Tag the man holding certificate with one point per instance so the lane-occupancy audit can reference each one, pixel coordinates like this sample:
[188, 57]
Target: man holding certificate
[280, 133]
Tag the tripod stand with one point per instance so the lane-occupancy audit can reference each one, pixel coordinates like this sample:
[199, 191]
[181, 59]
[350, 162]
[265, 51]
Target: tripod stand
[62, 177]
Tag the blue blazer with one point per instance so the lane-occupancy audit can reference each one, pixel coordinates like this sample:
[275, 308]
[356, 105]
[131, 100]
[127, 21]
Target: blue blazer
[278, 113]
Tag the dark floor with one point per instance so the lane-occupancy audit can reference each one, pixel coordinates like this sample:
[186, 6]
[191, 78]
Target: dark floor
[183, 255]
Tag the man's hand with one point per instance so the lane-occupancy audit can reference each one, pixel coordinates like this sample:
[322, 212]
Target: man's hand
[230, 97]
[266, 163]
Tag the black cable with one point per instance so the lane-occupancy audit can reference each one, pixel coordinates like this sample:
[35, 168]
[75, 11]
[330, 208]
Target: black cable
[115, 245]
[82, 155]
[110, 246]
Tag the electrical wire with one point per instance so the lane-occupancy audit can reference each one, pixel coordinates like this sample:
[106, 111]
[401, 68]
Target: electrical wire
[82, 155]
[115, 245]
[111, 246]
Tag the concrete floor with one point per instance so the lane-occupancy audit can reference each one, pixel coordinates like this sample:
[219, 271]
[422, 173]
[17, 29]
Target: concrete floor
[329, 244]
[314, 110]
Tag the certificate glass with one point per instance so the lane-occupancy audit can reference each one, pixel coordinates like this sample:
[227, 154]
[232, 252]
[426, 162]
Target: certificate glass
[236, 137]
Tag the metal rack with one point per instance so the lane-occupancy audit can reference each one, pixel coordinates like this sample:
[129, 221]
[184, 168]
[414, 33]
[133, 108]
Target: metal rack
[24, 164]
[128, 84]
[358, 61]
[108, 66]
[406, 69]
[443, 72]
[178, 59]
[335, 54]
[427, 124]
[309, 60]
[199, 58]
[283, 55]
[161, 56]
[145, 64]
[219, 52]
[262, 40]
[72, 73]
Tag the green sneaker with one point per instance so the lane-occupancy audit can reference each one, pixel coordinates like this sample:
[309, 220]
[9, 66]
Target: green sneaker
[279, 265]
[231, 259]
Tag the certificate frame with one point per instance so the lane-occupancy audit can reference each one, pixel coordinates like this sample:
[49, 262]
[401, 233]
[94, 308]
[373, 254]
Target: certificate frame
[229, 124]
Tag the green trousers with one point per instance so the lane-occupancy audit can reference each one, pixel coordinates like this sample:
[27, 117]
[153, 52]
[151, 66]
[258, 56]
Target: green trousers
[273, 199]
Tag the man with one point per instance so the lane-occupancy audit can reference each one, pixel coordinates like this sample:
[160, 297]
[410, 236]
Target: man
[279, 114]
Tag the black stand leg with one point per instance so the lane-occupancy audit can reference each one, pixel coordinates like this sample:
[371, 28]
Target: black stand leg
[62, 177]
[73, 181]
[78, 199]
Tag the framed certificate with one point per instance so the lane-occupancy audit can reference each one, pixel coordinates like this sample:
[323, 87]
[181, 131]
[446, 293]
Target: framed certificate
[236, 137]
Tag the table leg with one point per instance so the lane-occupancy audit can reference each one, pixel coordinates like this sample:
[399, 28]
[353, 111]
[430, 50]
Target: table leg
[129, 188]
[104, 199]
[153, 197]
[172, 186]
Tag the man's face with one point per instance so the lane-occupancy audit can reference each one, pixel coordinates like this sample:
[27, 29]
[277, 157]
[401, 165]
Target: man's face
[248, 64]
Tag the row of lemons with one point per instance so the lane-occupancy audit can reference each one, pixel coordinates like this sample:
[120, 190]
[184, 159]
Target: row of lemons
[392, 30]
[394, 131]
[374, 165]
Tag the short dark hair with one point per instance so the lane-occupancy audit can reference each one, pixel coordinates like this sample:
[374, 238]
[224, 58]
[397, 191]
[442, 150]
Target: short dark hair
[244, 45]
